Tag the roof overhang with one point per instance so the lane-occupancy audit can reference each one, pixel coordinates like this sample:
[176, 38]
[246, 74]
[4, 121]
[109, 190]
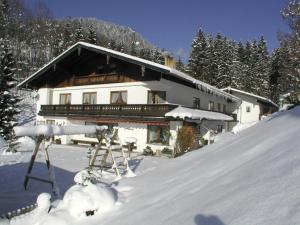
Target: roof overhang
[133, 59]
[185, 113]
[259, 98]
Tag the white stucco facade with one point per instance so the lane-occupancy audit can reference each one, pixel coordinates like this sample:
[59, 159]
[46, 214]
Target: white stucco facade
[137, 93]
[252, 106]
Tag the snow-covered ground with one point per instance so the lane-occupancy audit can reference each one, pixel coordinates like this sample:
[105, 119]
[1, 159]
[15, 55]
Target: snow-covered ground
[248, 178]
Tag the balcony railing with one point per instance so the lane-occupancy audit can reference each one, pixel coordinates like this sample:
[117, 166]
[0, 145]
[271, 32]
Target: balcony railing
[148, 110]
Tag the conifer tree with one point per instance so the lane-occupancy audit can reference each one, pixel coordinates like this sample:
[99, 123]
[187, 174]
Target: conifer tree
[92, 37]
[68, 36]
[180, 65]
[157, 56]
[262, 68]
[8, 96]
[79, 36]
[4, 19]
[290, 44]
[198, 57]
[276, 74]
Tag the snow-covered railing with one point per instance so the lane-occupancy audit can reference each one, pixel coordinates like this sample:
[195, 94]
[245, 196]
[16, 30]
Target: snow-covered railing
[50, 130]
[18, 212]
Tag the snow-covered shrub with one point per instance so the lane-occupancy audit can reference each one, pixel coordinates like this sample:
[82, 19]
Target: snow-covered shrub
[293, 98]
[148, 151]
[167, 151]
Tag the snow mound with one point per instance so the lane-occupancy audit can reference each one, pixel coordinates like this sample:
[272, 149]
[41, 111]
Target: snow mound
[82, 200]
[78, 203]
[242, 126]
[26, 143]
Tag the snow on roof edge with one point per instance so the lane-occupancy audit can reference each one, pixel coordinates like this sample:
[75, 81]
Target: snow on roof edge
[166, 69]
[197, 114]
[253, 95]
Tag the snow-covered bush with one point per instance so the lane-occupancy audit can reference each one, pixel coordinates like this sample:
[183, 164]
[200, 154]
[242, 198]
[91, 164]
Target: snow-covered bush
[167, 151]
[148, 151]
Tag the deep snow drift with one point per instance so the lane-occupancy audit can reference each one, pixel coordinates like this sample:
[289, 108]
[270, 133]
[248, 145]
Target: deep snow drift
[248, 178]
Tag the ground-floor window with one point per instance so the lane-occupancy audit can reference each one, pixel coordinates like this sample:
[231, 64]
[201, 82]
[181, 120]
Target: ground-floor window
[219, 128]
[158, 134]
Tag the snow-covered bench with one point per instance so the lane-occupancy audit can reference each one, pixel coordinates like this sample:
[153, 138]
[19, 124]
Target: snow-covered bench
[77, 141]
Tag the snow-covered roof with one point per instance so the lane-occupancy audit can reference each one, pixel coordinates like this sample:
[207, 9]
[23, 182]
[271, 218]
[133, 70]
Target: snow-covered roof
[196, 114]
[252, 95]
[143, 62]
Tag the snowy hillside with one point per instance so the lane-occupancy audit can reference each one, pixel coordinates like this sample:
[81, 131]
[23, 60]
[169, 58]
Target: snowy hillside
[248, 178]
[251, 178]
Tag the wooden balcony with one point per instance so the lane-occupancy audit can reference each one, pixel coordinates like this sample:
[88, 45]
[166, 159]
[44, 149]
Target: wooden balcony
[132, 110]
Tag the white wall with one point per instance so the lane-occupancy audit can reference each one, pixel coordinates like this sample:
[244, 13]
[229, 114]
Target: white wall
[137, 93]
[247, 101]
[44, 97]
[137, 130]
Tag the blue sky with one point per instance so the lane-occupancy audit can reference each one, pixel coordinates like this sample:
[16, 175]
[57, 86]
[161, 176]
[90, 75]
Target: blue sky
[172, 24]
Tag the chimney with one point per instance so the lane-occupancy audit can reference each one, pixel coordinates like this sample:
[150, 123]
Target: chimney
[169, 61]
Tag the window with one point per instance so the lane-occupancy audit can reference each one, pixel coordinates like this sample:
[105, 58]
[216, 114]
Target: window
[219, 128]
[156, 97]
[65, 99]
[224, 108]
[248, 109]
[196, 103]
[159, 134]
[50, 122]
[89, 98]
[219, 107]
[211, 106]
[118, 97]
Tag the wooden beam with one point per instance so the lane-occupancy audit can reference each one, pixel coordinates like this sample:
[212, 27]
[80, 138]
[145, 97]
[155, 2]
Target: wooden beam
[79, 51]
[143, 70]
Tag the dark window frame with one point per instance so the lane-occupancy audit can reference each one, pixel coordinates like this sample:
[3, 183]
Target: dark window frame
[164, 98]
[211, 105]
[248, 109]
[159, 135]
[119, 98]
[197, 103]
[89, 98]
[65, 95]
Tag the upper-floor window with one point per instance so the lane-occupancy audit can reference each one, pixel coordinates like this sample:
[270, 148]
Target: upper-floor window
[65, 99]
[156, 97]
[89, 98]
[211, 105]
[118, 97]
[219, 107]
[196, 103]
[224, 108]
